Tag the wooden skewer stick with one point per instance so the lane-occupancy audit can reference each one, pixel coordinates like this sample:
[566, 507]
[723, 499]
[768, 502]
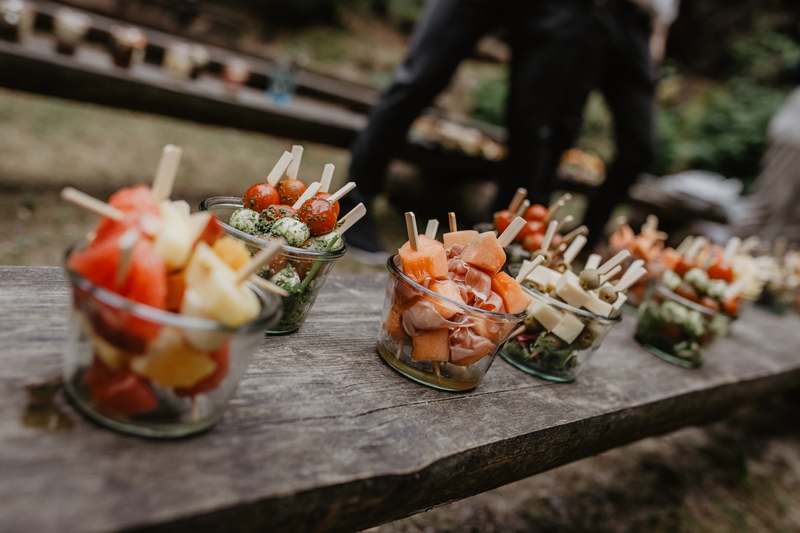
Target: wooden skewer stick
[451, 218]
[574, 249]
[167, 170]
[650, 225]
[733, 290]
[621, 256]
[432, 228]
[354, 215]
[749, 244]
[684, 246]
[268, 285]
[327, 176]
[548, 235]
[81, 199]
[629, 279]
[411, 228]
[608, 276]
[519, 331]
[731, 248]
[561, 202]
[294, 166]
[310, 191]
[620, 221]
[127, 242]
[523, 206]
[511, 231]
[580, 230]
[697, 244]
[564, 222]
[346, 188]
[518, 197]
[280, 167]
[259, 260]
[525, 272]
[639, 263]
[593, 262]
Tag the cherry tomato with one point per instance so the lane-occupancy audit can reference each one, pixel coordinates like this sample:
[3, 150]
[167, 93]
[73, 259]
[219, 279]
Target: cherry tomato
[684, 266]
[685, 290]
[671, 332]
[529, 228]
[290, 190]
[326, 195]
[557, 241]
[711, 303]
[533, 241]
[119, 392]
[276, 211]
[318, 214]
[503, 219]
[720, 271]
[260, 196]
[536, 212]
[730, 306]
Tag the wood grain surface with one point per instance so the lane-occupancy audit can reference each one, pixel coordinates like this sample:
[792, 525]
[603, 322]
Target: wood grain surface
[321, 435]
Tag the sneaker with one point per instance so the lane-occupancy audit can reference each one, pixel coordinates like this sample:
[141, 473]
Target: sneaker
[364, 244]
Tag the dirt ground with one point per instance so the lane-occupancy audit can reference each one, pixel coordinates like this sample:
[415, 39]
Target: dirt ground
[741, 474]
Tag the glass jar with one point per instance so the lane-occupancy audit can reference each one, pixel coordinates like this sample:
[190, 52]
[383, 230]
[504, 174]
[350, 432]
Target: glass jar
[455, 355]
[178, 61]
[676, 329]
[127, 45]
[150, 372]
[16, 20]
[558, 340]
[312, 266]
[69, 27]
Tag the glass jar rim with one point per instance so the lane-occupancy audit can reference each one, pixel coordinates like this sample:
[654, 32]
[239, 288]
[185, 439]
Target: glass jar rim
[574, 310]
[271, 305]
[685, 302]
[394, 269]
[236, 201]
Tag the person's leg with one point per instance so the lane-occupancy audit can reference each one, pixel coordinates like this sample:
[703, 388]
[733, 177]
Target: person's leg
[547, 93]
[448, 32]
[627, 85]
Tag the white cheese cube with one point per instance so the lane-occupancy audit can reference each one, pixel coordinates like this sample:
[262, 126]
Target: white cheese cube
[540, 276]
[621, 299]
[544, 314]
[597, 306]
[571, 292]
[568, 329]
[555, 278]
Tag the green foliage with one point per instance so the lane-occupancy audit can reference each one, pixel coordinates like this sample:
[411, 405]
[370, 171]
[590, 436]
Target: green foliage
[490, 100]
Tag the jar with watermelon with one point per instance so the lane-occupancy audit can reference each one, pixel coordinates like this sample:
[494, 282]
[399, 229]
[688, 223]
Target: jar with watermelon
[448, 309]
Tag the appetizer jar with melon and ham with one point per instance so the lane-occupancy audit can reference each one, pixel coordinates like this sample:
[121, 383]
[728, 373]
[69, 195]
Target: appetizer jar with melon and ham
[570, 314]
[306, 217]
[448, 307]
[163, 324]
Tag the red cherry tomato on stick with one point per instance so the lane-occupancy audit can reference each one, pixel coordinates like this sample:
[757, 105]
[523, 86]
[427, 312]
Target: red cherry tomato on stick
[721, 271]
[290, 189]
[276, 211]
[260, 196]
[503, 219]
[318, 214]
[536, 212]
[335, 205]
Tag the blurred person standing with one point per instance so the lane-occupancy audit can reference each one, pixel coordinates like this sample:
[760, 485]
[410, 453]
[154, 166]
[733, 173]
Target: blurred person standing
[546, 40]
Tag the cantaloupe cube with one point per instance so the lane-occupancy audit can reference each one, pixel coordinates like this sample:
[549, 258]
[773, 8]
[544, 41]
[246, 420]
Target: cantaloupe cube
[429, 261]
[232, 251]
[394, 325]
[433, 345]
[512, 294]
[449, 290]
[485, 253]
[462, 237]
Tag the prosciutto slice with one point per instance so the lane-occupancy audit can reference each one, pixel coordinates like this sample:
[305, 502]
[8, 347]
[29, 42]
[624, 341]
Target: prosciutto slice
[467, 347]
[423, 316]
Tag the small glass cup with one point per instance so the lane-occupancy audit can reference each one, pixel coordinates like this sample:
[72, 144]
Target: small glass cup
[778, 297]
[16, 20]
[151, 372]
[439, 358]
[69, 27]
[235, 73]
[178, 61]
[547, 354]
[127, 45]
[313, 266]
[676, 329]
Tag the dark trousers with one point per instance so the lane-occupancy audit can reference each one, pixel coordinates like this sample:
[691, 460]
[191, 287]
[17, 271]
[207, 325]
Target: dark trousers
[546, 46]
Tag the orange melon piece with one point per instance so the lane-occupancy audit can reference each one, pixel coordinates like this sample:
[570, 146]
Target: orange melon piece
[431, 345]
[512, 294]
[232, 251]
[485, 253]
[459, 237]
[394, 325]
[449, 290]
[429, 261]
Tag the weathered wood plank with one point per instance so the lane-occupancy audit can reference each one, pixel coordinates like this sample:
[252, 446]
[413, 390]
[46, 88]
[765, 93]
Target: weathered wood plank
[322, 435]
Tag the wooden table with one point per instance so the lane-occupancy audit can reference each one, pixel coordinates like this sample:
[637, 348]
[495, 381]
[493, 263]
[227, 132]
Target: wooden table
[322, 435]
